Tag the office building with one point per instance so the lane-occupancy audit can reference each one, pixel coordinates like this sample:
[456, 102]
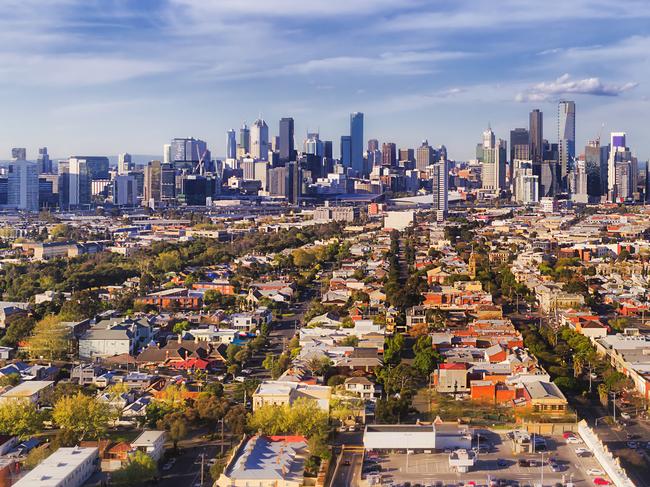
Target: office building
[519, 144]
[44, 161]
[159, 183]
[440, 189]
[373, 145]
[286, 140]
[261, 173]
[22, 185]
[389, 154]
[313, 145]
[19, 154]
[406, 157]
[346, 151]
[566, 136]
[327, 149]
[622, 170]
[124, 163]
[244, 140]
[424, 156]
[548, 175]
[536, 134]
[525, 183]
[579, 184]
[259, 140]
[189, 153]
[167, 154]
[79, 179]
[356, 142]
[125, 190]
[596, 160]
[231, 145]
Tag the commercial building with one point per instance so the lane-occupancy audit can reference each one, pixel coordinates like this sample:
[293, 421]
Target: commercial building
[22, 185]
[399, 220]
[356, 142]
[566, 135]
[440, 189]
[188, 152]
[124, 163]
[424, 156]
[416, 437]
[267, 461]
[159, 183]
[151, 442]
[231, 145]
[536, 134]
[286, 145]
[66, 467]
[31, 390]
[259, 140]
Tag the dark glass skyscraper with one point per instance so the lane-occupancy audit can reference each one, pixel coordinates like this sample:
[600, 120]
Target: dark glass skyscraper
[286, 148]
[536, 130]
[346, 151]
[356, 141]
[231, 145]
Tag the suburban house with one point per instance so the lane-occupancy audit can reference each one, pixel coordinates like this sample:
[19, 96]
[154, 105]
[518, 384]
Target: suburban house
[31, 390]
[152, 443]
[362, 387]
[279, 392]
[114, 337]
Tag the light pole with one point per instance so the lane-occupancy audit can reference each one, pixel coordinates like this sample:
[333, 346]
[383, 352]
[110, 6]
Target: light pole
[542, 472]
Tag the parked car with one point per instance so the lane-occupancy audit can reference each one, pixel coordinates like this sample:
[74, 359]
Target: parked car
[632, 444]
[595, 472]
[626, 416]
[574, 440]
[522, 462]
[601, 481]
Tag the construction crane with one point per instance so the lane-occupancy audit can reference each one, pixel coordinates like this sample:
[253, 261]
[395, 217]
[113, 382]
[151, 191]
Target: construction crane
[200, 167]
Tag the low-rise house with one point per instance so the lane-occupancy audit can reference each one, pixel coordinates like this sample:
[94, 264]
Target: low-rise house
[362, 387]
[252, 320]
[32, 391]
[172, 299]
[152, 443]
[115, 337]
[545, 397]
[273, 392]
[267, 461]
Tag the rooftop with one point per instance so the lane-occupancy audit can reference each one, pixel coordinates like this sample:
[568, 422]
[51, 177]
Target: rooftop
[57, 467]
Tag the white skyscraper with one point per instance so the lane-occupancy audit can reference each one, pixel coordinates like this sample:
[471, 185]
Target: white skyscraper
[124, 164]
[439, 184]
[167, 153]
[22, 185]
[259, 140]
[621, 169]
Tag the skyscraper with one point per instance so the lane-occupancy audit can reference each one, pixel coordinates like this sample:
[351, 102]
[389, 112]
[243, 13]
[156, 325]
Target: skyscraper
[596, 168]
[231, 145]
[124, 164]
[622, 169]
[313, 145]
[286, 148]
[566, 135]
[159, 183]
[356, 142]
[346, 150]
[245, 139]
[373, 145]
[44, 161]
[424, 156]
[519, 144]
[79, 180]
[22, 185]
[259, 140]
[389, 154]
[440, 189]
[19, 154]
[167, 153]
[536, 133]
[189, 153]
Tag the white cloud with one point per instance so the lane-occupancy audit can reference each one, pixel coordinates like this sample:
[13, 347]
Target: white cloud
[565, 85]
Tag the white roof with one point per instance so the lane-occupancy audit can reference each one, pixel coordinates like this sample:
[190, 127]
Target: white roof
[52, 471]
[26, 389]
[148, 438]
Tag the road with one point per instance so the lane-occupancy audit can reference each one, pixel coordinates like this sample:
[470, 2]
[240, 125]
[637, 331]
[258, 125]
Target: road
[187, 469]
[348, 471]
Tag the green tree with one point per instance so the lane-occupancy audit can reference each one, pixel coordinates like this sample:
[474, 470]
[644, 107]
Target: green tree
[49, 339]
[86, 417]
[177, 431]
[303, 417]
[181, 327]
[394, 347]
[139, 469]
[425, 357]
[20, 418]
[18, 329]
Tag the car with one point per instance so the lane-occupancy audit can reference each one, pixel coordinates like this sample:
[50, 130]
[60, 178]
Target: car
[346, 463]
[632, 444]
[247, 371]
[626, 416]
[167, 466]
[601, 481]
[593, 376]
[582, 451]
[595, 472]
[522, 462]
[502, 463]
[556, 467]
[573, 440]
[568, 434]
[240, 378]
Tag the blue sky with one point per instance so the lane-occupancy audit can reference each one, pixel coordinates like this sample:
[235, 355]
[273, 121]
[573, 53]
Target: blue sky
[107, 76]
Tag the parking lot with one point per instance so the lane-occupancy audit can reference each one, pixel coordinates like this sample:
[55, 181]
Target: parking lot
[499, 463]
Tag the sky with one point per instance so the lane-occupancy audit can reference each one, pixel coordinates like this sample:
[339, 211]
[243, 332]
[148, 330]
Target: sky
[107, 76]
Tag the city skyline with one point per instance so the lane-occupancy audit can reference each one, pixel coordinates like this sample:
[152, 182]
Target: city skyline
[104, 77]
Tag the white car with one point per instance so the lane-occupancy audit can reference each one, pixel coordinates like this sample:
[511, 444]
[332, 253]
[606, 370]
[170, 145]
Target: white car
[626, 416]
[240, 378]
[573, 440]
[595, 472]
[582, 451]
